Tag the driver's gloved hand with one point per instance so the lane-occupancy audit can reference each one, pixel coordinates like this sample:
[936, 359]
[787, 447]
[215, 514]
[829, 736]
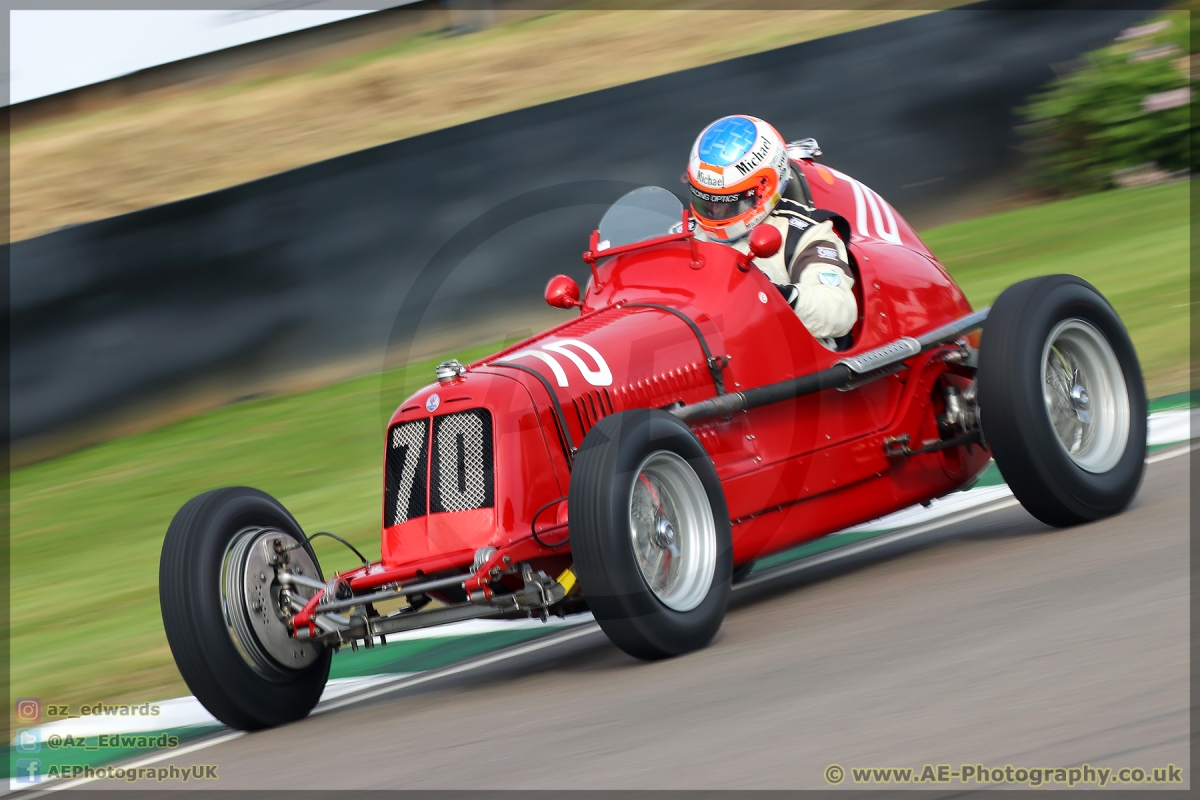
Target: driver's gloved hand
[790, 293]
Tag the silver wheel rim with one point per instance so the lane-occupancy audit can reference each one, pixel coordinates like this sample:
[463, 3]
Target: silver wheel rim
[673, 532]
[1085, 395]
[252, 604]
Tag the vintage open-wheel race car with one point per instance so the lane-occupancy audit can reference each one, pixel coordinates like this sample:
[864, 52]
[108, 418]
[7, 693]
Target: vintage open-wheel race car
[638, 458]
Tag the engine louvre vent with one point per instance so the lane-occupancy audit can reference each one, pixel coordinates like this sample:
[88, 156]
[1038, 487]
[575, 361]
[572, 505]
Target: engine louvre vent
[592, 407]
[463, 469]
[406, 471]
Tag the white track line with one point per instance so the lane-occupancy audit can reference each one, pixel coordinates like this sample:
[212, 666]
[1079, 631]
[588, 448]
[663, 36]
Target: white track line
[875, 541]
[590, 628]
[504, 655]
[1165, 454]
[896, 536]
[401, 682]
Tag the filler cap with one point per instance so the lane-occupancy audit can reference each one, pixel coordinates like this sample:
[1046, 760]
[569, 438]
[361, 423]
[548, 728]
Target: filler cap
[450, 371]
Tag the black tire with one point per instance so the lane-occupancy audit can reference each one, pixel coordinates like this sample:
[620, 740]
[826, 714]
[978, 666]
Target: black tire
[602, 481]
[189, 588]
[1016, 419]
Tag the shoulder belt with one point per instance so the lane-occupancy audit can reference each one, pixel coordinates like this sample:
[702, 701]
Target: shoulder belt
[804, 217]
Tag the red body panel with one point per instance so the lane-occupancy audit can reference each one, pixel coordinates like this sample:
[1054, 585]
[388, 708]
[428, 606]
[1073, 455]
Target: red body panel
[526, 476]
[791, 471]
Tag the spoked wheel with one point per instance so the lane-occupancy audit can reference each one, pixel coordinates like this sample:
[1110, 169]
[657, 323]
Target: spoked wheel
[674, 536]
[650, 534]
[1085, 394]
[1062, 400]
[223, 609]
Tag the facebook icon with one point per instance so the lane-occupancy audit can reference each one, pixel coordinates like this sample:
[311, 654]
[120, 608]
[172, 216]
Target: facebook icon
[28, 770]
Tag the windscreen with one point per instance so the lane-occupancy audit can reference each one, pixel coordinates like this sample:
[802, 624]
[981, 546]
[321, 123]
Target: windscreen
[644, 213]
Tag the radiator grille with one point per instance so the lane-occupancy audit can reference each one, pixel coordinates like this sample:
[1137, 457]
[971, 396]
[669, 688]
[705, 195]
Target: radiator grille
[461, 476]
[463, 465]
[406, 467]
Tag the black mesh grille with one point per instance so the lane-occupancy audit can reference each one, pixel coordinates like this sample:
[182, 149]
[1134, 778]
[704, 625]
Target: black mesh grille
[463, 465]
[407, 462]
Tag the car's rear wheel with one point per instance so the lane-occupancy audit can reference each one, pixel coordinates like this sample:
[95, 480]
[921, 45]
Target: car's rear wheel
[222, 609]
[1062, 400]
[650, 534]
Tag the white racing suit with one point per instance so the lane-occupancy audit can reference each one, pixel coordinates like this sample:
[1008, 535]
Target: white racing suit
[816, 280]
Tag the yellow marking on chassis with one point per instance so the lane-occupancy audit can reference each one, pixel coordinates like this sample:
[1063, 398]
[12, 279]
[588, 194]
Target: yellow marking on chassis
[567, 579]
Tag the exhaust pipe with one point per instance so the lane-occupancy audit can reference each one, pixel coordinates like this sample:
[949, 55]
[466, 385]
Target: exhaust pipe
[849, 372]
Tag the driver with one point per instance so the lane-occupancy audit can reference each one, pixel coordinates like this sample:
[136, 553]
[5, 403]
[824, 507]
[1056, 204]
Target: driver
[738, 173]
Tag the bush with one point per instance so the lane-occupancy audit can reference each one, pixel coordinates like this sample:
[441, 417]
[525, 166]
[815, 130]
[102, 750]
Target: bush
[1125, 110]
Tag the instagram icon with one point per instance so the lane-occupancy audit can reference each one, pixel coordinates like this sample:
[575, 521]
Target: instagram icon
[29, 709]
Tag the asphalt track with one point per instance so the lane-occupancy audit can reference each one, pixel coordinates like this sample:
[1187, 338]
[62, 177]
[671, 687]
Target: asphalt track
[992, 639]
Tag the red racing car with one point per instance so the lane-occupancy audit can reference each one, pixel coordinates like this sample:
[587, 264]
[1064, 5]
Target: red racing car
[638, 458]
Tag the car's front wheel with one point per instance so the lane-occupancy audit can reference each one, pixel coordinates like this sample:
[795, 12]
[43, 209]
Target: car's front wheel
[650, 534]
[224, 610]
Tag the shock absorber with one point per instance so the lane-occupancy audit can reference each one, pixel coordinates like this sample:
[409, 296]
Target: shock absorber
[961, 414]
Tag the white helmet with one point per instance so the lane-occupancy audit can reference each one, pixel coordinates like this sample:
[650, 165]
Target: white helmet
[738, 170]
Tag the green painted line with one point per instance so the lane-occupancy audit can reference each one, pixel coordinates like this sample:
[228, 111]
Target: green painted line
[1175, 401]
[989, 477]
[418, 655]
[814, 547]
[410, 655]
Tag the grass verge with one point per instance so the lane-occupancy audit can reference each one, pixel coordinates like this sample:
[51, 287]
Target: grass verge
[1131, 244]
[87, 527]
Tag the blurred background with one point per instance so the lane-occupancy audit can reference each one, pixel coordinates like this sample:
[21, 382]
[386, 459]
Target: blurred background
[238, 239]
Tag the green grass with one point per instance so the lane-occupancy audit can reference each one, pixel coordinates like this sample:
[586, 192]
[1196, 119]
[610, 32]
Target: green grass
[1131, 244]
[87, 527]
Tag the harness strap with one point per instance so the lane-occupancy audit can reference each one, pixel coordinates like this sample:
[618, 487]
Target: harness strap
[840, 224]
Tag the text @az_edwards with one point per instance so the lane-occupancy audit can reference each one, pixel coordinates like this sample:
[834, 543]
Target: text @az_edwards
[1084, 775]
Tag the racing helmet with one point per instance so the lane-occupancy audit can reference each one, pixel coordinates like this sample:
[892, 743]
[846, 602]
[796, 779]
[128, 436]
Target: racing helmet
[737, 172]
